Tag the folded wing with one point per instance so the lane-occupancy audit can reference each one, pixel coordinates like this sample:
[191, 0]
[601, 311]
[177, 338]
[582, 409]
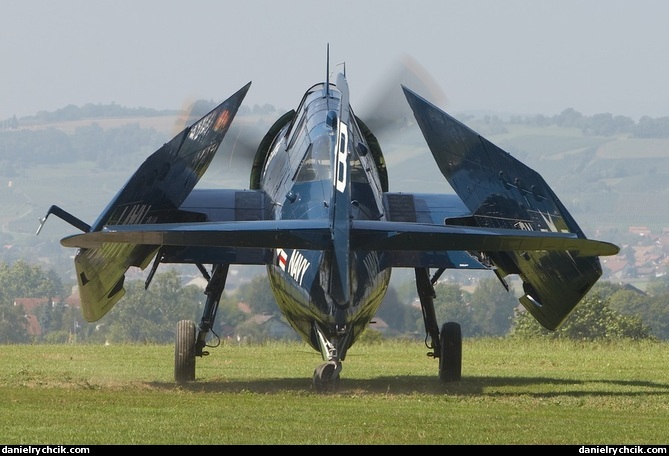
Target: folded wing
[500, 192]
[153, 194]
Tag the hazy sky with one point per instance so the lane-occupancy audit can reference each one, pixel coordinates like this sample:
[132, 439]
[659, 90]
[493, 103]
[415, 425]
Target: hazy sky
[523, 57]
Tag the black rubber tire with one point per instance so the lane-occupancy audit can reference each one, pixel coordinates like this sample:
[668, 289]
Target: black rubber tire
[326, 377]
[184, 352]
[450, 358]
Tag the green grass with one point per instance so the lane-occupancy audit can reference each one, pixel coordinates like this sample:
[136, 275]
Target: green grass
[512, 392]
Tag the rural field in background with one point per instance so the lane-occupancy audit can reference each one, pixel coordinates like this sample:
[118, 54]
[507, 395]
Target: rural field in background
[512, 392]
[615, 186]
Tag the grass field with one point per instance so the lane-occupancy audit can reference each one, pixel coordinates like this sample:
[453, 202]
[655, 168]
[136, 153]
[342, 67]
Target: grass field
[512, 392]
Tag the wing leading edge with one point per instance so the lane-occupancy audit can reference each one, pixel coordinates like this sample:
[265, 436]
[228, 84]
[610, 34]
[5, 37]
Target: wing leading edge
[316, 235]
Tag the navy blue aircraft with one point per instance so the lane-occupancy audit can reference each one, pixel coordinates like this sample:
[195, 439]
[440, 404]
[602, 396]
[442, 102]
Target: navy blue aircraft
[319, 215]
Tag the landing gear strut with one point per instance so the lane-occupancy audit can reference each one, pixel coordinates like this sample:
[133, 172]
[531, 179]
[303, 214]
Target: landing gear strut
[191, 340]
[333, 349]
[447, 345]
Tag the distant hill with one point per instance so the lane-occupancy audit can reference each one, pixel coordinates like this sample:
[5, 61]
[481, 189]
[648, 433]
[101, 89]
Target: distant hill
[612, 184]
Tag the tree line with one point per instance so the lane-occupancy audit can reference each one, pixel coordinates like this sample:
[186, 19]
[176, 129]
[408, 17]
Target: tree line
[114, 147]
[609, 311]
[109, 148]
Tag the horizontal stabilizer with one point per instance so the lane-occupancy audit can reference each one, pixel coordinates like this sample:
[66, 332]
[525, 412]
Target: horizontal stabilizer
[375, 235]
[294, 234]
[315, 234]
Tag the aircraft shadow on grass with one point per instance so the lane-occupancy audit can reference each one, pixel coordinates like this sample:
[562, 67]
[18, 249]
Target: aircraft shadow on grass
[469, 386]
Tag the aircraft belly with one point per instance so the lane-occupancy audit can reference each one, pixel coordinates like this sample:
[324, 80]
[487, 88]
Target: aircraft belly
[294, 303]
[300, 280]
[370, 299]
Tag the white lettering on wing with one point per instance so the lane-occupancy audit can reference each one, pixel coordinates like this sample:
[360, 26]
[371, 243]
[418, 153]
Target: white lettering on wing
[133, 215]
[526, 226]
[550, 223]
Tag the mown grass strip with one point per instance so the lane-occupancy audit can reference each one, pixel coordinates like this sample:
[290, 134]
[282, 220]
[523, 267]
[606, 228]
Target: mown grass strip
[512, 392]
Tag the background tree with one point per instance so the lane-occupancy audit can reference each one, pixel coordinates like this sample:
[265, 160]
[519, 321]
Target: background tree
[592, 319]
[655, 311]
[393, 311]
[452, 303]
[228, 316]
[250, 332]
[652, 305]
[493, 308]
[22, 280]
[407, 295]
[13, 325]
[657, 316]
[630, 301]
[65, 324]
[150, 316]
[658, 285]
[258, 295]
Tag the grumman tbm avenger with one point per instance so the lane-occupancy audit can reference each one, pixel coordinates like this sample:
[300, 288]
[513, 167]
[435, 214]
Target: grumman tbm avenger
[319, 215]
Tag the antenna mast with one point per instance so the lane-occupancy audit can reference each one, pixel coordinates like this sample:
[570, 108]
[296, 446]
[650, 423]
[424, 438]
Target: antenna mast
[326, 92]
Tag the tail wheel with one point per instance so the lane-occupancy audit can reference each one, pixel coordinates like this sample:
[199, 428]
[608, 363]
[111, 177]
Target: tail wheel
[326, 377]
[450, 358]
[184, 352]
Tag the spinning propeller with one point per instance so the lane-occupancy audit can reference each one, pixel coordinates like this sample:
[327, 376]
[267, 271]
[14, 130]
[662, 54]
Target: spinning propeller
[384, 110]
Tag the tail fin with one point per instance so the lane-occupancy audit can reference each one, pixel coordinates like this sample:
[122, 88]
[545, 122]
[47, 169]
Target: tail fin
[341, 202]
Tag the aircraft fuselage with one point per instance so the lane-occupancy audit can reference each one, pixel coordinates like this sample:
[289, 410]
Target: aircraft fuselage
[319, 167]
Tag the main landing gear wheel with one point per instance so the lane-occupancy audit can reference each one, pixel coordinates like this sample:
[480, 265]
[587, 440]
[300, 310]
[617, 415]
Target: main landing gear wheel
[326, 377]
[450, 358]
[184, 352]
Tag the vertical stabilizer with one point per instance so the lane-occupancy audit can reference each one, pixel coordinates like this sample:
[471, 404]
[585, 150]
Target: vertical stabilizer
[341, 202]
